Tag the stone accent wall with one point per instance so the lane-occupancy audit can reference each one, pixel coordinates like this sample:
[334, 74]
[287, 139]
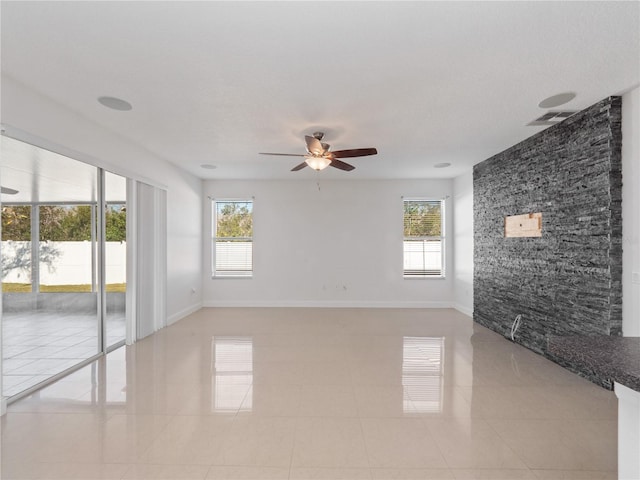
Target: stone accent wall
[567, 282]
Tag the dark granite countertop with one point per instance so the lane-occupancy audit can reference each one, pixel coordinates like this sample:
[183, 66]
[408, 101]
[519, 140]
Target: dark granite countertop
[612, 357]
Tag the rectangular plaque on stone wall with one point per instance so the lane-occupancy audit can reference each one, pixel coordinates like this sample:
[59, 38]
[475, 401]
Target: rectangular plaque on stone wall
[527, 225]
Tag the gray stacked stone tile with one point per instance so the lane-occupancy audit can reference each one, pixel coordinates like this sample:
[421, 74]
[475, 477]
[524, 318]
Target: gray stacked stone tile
[567, 282]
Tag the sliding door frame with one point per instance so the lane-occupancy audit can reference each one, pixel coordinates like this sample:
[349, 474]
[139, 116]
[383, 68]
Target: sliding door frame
[99, 277]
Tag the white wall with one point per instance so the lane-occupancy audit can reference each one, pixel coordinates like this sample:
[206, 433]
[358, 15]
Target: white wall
[631, 213]
[30, 112]
[310, 248]
[463, 242]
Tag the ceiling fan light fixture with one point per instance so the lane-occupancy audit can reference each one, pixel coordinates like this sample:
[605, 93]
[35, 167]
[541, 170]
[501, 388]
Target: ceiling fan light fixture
[9, 191]
[319, 157]
[317, 163]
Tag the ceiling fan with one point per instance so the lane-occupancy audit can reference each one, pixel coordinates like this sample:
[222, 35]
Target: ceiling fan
[319, 157]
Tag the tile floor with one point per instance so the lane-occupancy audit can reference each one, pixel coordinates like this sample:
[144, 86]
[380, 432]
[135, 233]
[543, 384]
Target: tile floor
[38, 345]
[316, 394]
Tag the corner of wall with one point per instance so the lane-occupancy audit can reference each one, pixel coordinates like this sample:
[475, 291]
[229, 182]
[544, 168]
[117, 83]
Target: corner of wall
[463, 243]
[183, 313]
[463, 309]
[630, 213]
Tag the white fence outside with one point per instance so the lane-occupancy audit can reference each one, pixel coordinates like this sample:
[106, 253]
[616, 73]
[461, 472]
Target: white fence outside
[62, 263]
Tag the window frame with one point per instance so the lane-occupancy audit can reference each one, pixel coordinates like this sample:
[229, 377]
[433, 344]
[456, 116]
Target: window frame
[441, 238]
[233, 274]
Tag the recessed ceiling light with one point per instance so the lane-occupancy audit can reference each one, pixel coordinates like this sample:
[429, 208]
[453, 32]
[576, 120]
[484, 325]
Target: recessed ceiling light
[442, 165]
[557, 100]
[208, 166]
[115, 103]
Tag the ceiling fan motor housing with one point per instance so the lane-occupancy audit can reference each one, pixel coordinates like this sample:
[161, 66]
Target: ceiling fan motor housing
[319, 157]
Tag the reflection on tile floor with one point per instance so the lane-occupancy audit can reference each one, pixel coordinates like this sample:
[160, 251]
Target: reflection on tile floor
[38, 345]
[316, 394]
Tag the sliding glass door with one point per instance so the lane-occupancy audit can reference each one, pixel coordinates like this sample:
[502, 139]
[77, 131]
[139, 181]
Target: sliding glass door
[115, 253]
[64, 283]
[63, 263]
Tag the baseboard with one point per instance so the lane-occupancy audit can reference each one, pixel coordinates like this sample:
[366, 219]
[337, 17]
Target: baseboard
[183, 313]
[467, 311]
[323, 304]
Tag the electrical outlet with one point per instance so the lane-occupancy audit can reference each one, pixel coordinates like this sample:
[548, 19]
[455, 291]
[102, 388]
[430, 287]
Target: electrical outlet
[635, 278]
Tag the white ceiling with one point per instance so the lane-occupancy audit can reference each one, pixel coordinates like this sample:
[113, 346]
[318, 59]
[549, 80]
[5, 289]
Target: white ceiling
[424, 82]
[41, 176]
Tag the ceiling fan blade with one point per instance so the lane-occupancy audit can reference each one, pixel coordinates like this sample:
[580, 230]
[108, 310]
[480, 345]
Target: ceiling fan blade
[299, 167]
[314, 146]
[341, 165]
[283, 154]
[354, 152]
[9, 191]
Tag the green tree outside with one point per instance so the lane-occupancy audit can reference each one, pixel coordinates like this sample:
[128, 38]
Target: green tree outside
[116, 223]
[65, 224]
[62, 223]
[422, 219]
[234, 219]
[16, 223]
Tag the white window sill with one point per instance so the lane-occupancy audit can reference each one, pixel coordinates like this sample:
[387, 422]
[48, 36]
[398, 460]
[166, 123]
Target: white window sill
[429, 277]
[231, 277]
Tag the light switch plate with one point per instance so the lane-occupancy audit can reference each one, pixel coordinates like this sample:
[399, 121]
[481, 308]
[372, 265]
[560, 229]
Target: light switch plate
[635, 278]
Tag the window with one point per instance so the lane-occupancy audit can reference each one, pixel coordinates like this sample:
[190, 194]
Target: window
[232, 238]
[423, 238]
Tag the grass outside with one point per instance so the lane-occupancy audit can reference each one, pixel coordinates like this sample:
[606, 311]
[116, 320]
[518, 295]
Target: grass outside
[26, 288]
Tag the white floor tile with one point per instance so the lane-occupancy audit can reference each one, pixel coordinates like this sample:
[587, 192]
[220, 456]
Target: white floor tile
[303, 394]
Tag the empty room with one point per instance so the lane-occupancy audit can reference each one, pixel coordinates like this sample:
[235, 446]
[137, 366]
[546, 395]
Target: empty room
[320, 240]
